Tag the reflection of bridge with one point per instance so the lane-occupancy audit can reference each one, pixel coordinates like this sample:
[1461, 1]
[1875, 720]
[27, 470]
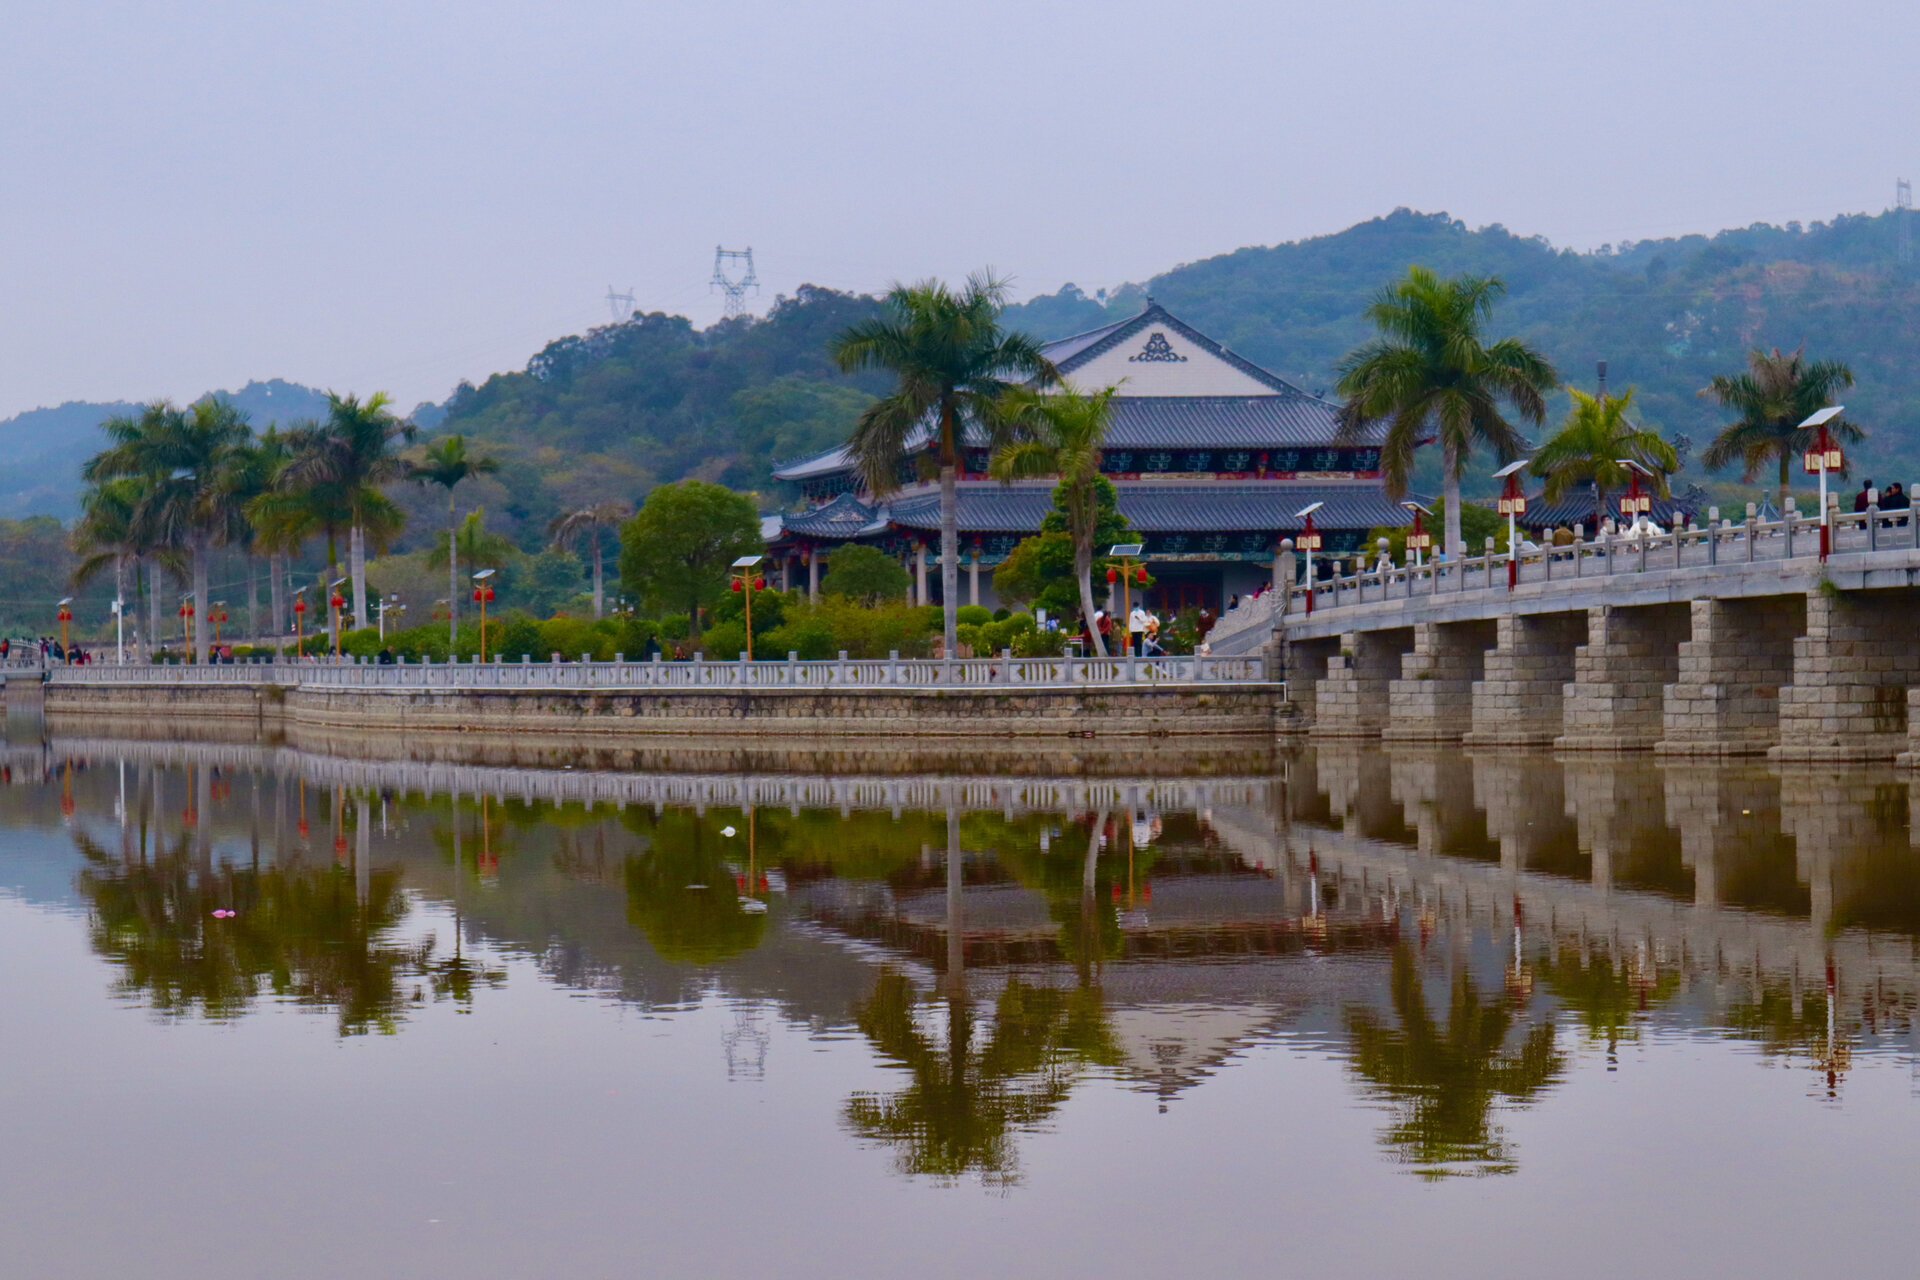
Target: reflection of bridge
[697, 791]
[1736, 871]
[1729, 641]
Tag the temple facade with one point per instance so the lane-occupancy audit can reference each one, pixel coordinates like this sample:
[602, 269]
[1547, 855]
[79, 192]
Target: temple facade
[1212, 457]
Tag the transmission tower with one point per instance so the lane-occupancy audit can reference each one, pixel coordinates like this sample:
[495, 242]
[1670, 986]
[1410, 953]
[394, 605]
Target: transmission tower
[1902, 216]
[620, 304]
[735, 287]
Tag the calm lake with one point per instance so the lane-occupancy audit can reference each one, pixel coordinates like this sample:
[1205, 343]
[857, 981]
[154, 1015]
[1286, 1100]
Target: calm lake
[398, 1009]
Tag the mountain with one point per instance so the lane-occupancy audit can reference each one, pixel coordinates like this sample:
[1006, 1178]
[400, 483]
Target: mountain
[45, 448]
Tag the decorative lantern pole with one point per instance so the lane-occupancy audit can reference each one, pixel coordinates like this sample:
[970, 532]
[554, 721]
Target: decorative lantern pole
[336, 603]
[1309, 542]
[748, 579]
[186, 621]
[1129, 572]
[66, 616]
[216, 617]
[483, 596]
[300, 623]
[1513, 505]
[1419, 540]
[1638, 503]
[1823, 457]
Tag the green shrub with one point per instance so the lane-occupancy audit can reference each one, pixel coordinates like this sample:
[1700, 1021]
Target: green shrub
[571, 637]
[724, 641]
[512, 636]
[811, 638]
[974, 615]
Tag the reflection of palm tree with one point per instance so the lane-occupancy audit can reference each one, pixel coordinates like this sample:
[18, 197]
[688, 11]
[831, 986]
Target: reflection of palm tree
[969, 1095]
[1607, 998]
[1444, 1082]
[299, 934]
[681, 894]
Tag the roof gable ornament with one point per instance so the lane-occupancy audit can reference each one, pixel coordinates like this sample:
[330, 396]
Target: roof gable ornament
[1157, 351]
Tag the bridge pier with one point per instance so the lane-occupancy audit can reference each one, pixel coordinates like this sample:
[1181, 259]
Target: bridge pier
[1434, 789]
[1519, 701]
[1851, 673]
[1610, 802]
[1730, 834]
[1432, 701]
[1351, 700]
[1524, 798]
[1620, 674]
[1307, 662]
[1725, 699]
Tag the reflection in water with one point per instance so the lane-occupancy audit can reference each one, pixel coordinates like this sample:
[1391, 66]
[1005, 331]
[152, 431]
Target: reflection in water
[1461, 932]
[1443, 1078]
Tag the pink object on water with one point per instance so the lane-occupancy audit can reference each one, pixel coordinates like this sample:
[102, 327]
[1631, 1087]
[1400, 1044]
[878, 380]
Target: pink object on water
[224, 914]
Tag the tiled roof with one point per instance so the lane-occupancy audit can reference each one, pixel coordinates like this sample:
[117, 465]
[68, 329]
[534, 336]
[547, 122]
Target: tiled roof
[1061, 350]
[1166, 508]
[1578, 509]
[1225, 422]
[1155, 314]
[844, 517]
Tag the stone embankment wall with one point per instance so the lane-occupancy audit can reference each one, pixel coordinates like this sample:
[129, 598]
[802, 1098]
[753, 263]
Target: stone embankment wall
[798, 714]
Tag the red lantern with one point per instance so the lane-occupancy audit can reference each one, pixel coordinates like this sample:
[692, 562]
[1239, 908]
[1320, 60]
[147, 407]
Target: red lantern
[66, 614]
[300, 604]
[1140, 575]
[1113, 576]
[736, 586]
[759, 584]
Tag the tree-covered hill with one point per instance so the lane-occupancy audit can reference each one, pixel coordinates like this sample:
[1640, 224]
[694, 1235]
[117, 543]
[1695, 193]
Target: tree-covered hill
[1665, 314]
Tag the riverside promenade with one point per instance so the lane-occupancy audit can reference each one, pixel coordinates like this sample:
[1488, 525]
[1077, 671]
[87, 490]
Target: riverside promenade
[894, 697]
[1729, 640]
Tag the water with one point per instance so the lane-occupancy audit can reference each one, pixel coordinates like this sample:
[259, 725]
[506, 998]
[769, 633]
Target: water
[1337, 1011]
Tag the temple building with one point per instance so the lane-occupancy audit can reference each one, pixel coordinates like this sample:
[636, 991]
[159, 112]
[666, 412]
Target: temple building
[1211, 455]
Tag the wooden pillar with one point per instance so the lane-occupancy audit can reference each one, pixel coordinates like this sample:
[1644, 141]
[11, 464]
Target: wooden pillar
[973, 578]
[920, 573]
[813, 576]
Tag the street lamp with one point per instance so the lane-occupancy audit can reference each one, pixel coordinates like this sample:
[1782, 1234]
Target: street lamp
[300, 623]
[1129, 572]
[216, 617]
[335, 603]
[1638, 502]
[385, 603]
[1825, 456]
[66, 616]
[747, 580]
[1309, 542]
[1513, 505]
[482, 595]
[186, 621]
[120, 630]
[1419, 540]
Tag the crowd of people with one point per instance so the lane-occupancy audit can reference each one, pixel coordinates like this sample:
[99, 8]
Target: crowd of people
[48, 650]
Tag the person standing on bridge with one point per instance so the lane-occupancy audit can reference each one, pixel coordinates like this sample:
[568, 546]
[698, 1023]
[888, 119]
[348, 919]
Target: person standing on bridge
[1867, 497]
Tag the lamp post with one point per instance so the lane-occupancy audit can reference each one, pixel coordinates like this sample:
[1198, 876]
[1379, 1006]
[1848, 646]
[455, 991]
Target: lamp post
[383, 604]
[186, 622]
[300, 623]
[217, 616]
[1309, 542]
[1418, 539]
[483, 596]
[747, 579]
[66, 617]
[120, 631]
[335, 603]
[1129, 572]
[1513, 505]
[1638, 501]
[1825, 456]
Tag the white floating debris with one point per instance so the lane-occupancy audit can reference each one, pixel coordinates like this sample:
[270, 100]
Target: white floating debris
[753, 906]
[727, 831]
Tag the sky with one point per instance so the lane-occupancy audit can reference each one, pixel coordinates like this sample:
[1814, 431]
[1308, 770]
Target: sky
[396, 196]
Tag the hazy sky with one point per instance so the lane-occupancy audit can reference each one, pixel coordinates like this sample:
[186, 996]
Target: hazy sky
[397, 195]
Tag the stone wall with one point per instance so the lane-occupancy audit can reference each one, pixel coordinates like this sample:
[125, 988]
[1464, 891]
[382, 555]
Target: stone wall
[1519, 701]
[796, 715]
[1351, 700]
[1725, 698]
[1616, 698]
[1851, 673]
[1432, 701]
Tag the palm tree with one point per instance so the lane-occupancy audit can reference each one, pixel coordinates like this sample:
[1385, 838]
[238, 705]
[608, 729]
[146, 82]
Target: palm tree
[953, 362]
[589, 523]
[300, 505]
[1432, 374]
[250, 472]
[1062, 435]
[1589, 447]
[110, 534]
[472, 544]
[447, 463]
[181, 456]
[355, 453]
[1772, 398]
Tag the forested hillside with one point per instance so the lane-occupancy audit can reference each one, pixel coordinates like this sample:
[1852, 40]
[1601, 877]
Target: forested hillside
[1666, 314]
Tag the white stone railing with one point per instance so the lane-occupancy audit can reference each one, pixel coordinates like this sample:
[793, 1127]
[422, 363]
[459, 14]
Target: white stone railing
[1254, 614]
[1749, 542]
[843, 673]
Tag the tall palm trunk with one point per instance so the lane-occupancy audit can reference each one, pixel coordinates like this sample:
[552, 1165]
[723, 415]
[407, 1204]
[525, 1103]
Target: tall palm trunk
[155, 637]
[253, 596]
[1450, 491]
[599, 590]
[357, 561]
[1083, 571]
[277, 596]
[201, 605]
[1782, 503]
[453, 574]
[949, 557]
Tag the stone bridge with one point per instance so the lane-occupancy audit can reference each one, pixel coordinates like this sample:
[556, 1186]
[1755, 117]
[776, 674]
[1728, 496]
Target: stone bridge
[1731, 640]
